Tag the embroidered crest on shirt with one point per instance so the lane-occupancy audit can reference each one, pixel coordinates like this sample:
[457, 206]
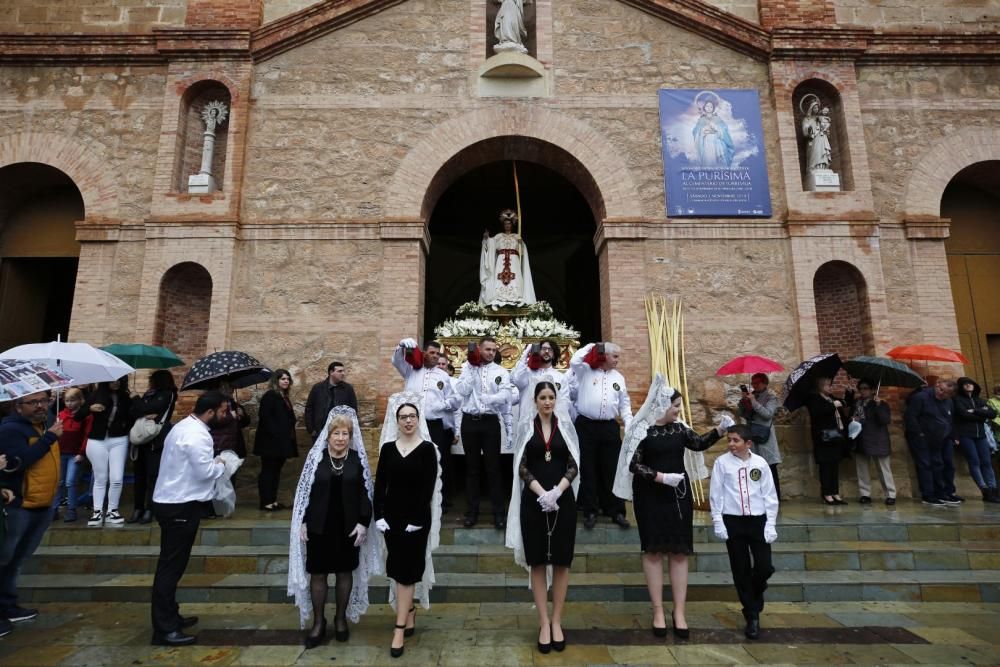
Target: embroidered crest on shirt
[755, 474]
[616, 386]
[497, 380]
[440, 385]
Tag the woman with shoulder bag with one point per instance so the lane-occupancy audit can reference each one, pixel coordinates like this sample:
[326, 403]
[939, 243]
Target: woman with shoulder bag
[156, 407]
[827, 419]
[758, 408]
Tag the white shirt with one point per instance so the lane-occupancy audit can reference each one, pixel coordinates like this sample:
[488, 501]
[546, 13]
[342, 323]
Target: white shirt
[433, 384]
[743, 488]
[187, 465]
[600, 394]
[486, 389]
[522, 377]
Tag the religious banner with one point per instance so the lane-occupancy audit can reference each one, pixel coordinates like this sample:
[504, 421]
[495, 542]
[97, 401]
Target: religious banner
[713, 154]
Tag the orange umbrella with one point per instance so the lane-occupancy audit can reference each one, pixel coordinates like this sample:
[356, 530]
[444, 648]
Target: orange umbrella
[927, 353]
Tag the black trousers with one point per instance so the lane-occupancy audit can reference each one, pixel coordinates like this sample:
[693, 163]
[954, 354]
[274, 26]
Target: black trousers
[146, 469]
[267, 479]
[178, 528]
[600, 445]
[749, 559]
[829, 478]
[442, 437]
[481, 440]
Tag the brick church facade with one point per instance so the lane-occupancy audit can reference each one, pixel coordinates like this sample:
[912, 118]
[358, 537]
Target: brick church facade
[351, 120]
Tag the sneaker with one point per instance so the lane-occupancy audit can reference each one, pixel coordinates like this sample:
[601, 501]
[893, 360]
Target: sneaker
[17, 614]
[70, 516]
[114, 518]
[97, 520]
[890, 501]
[6, 627]
[933, 501]
[866, 500]
[951, 500]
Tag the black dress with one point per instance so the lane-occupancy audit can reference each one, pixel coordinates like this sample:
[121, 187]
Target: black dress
[338, 501]
[539, 548]
[664, 513]
[404, 487]
[823, 426]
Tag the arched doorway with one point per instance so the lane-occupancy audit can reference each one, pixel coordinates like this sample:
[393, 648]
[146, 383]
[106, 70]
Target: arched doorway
[39, 254]
[972, 202]
[559, 204]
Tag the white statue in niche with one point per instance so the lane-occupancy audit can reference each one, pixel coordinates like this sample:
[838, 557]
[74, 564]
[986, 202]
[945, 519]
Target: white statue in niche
[509, 27]
[816, 126]
[214, 115]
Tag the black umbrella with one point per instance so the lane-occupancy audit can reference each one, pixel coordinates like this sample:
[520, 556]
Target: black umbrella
[238, 369]
[888, 372]
[802, 381]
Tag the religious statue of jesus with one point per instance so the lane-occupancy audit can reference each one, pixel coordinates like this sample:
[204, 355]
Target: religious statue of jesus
[504, 272]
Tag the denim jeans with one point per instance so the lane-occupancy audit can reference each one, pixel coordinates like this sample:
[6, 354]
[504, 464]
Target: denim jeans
[70, 472]
[977, 454]
[25, 529]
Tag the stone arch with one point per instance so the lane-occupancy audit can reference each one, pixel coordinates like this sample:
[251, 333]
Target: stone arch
[843, 313]
[413, 178]
[86, 164]
[184, 309]
[938, 166]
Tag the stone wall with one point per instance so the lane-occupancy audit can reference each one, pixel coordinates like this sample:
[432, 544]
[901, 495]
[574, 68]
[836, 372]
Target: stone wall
[745, 9]
[964, 15]
[90, 15]
[276, 9]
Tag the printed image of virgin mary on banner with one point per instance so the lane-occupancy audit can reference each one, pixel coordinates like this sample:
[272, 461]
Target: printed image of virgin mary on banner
[713, 155]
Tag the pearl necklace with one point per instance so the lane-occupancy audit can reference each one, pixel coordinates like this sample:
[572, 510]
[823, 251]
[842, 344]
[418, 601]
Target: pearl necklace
[337, 469]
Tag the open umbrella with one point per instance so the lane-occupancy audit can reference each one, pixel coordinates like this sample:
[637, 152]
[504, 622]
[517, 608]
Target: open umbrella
[138, 355]
[239, 369]
[20, 378]
[80, 361]
[889, 372]
[927, 353]
[802, 380]
[749, 363]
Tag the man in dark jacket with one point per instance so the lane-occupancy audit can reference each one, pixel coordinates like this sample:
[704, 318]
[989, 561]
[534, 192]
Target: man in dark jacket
[972, 416]
[34, 453]
[929, 433]
[326, 395]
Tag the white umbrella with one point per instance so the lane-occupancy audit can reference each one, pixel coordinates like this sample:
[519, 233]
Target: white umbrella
[82, 362]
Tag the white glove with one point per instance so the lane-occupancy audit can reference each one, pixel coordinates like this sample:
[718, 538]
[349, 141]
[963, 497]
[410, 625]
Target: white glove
[770, 534]
[359, 534]
[550, 499]
[725, 422]
[720, 530]
[410, 528]
[408, 343]
[303, 533]
[382, 525]
[672, 478]
[494, 400]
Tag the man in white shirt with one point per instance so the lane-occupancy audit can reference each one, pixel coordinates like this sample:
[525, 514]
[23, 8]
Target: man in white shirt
[487, 394]
[744, 513]
[602, 399]
[532, 366]
[422, 375]
[183, 495]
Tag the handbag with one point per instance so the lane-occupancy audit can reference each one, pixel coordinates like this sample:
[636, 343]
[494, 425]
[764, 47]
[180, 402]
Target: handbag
[831, 436]
[144, 431]
[760, 433]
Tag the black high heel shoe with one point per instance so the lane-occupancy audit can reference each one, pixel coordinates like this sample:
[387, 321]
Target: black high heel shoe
[398, 652]
[545, 648]
[313, 642]
[659, 632]
[680, 633]
[408, 632]
[341, 635]
[557, 645]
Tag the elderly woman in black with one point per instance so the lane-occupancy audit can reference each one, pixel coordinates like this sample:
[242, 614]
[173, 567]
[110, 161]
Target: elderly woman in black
[828, 418]
[274, 441]
[157, 404]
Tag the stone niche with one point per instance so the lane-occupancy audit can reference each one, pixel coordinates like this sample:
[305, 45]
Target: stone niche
[190, 135]
[836, 177]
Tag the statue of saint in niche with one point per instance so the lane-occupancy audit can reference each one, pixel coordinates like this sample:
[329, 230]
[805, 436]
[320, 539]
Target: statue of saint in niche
[509, 27]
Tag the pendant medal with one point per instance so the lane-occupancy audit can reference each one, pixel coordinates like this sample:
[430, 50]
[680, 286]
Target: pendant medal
[548, 456]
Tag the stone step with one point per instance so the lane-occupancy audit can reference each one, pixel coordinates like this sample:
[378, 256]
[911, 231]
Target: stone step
[788, 585]
[496, 559]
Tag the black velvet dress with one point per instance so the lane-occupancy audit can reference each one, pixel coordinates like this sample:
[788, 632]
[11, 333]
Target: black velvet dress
[337, 502]
[539, 547]
[404, 487]
[664, 513]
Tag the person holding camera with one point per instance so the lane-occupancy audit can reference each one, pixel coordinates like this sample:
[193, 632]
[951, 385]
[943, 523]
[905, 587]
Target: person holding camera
[487, 395]
[602, 399]
[757, 407]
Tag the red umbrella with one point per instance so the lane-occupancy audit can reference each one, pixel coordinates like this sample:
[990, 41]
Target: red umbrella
[927, 353]
[749, 364]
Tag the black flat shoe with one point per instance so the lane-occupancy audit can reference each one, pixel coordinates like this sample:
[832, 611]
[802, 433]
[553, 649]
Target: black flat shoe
[147, 517]
[680, 633]
[621, 521]
[557, 645]
[188, 621]
[314, 641]
[408, 632]
[831, 501]
[544, 648]
[589, 521]
[136, 515]
[398, 652]
[753, 628]
[840, 501]
[175, 638]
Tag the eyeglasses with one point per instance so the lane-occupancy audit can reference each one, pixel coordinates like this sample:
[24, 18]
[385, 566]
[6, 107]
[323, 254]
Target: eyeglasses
[407, 418]
[35, 403]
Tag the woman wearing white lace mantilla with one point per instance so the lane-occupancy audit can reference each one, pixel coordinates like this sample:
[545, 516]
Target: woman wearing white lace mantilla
[407, 508]
[333, 508]
[541, 520]
[651, 473]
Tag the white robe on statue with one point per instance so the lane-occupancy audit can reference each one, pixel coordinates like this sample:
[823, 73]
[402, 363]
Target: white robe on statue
[504, 272]
[509, 25]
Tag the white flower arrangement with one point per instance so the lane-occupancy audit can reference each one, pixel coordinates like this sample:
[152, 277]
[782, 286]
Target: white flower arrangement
[470, 326]
[540, 310]
[540, 328]
[471, 309]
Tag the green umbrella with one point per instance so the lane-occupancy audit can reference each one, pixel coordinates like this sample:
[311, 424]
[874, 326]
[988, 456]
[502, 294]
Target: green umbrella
[885, 371]
[138, 355]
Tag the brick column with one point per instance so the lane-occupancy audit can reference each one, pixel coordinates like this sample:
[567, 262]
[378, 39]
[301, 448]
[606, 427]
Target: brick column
[796, 12]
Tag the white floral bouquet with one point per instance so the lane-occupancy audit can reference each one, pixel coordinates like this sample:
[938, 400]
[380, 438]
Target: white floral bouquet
[541, 328]
[465, 327]
[540, 310]
[471, 309]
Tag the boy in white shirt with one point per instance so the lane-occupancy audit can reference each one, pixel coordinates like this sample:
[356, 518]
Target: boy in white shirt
[744, 511]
